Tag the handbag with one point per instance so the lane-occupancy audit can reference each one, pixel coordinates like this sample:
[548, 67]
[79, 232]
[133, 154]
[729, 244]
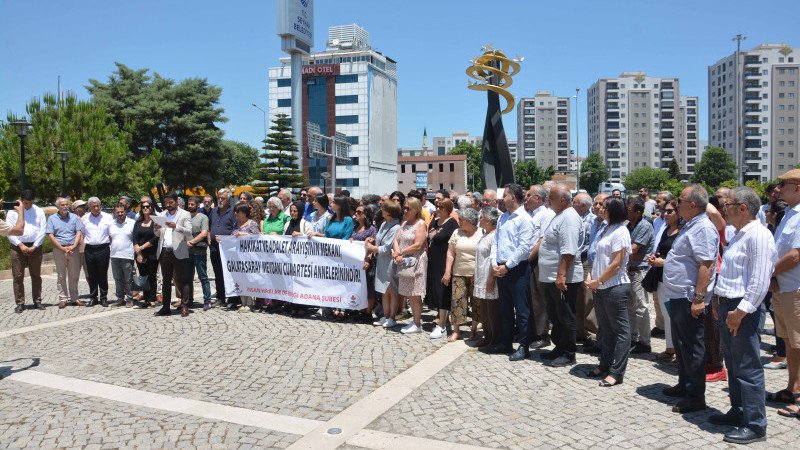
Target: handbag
[140, 283]
[408, 268]
[651, 279]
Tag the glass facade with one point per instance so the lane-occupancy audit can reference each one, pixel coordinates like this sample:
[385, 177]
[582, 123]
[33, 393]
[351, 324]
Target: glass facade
[318, 113]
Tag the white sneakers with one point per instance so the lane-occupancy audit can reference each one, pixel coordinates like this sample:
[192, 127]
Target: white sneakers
[411, 328]
[389, 323]
[379, 323]
[244, 309]
[438, 332]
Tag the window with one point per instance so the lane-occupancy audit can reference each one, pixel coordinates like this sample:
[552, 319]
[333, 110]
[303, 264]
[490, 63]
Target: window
[403, 168]
[284, 102]
[344, 99]
[347, 78]
[352, 140]
[284, 82]
[344, 120]
[441, 167]
[452, 167]
[413, 168]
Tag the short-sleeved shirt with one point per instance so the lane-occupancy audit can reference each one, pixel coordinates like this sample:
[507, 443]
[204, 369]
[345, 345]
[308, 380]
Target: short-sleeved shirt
[274, 224]
[122, 239]
[642, 235]
[611, 241]
[787, 237]
[464, 264]
[63, 229]
[199, 223]
[697, 241]
[95, 228]
[5, 228]
[563, 236]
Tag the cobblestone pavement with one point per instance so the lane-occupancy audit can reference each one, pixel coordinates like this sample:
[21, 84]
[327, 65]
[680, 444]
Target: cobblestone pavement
[314, 369]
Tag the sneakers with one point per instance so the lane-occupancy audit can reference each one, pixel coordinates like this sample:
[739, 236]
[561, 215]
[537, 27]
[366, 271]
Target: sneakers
[713, 375]
[207, 306]
[389, 323]
[438, 332]
[411, 328]
[380, 322]
[244, 309]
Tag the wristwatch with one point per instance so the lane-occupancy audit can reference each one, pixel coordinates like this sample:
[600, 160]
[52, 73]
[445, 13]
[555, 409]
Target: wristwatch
[600, 283]
[699, 297]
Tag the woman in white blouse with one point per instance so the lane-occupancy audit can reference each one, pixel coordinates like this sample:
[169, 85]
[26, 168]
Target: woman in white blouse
[611, 285]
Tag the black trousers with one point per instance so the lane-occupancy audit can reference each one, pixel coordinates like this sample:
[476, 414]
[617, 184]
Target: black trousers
[177, 268]
[688, 336]
[219, 275]
[149, 268]
[561, 309]
[97, 259]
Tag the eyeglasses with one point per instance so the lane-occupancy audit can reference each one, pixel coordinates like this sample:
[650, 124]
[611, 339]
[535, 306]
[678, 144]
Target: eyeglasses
[669, 211]
[358, 211]
[146, 206]
[784, 183]
[726, 204]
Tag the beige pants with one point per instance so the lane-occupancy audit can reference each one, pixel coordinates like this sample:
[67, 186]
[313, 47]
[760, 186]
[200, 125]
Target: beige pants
[68, 269]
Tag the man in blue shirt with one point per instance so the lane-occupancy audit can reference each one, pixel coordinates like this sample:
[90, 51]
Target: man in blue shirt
[511, 245]
[64, 231]
[221, 222]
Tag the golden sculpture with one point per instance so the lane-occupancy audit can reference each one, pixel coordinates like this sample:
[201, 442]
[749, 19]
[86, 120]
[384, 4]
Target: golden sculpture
[492, 69]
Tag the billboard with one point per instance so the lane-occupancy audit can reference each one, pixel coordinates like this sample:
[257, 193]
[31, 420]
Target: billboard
[422, 180]
[296, 25]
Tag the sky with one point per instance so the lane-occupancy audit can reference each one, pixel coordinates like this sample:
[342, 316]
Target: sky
[566, 45]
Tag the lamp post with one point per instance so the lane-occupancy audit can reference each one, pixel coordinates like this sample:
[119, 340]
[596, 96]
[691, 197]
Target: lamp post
[577, 144]
[737, 86]
[265, 120]
[22, 132]
[63, 172]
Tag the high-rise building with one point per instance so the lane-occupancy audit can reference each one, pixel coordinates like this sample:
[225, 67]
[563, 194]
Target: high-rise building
[512, 148]
[349, 88]
[543, 130]
[761, 99]
[637, 121]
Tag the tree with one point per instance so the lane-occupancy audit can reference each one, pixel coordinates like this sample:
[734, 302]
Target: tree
[281, 171]
[473, 163]
[757, 186]
[593, 172]
[98, 162]
[673, 186]
[528, 173]
[177, 119]
[242, 163]
[648, 177]
[714, 167]
[675, 170]
[730, 184]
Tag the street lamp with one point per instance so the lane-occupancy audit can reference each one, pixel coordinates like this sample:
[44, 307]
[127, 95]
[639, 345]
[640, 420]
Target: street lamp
[577, 143]
[22, 131]
[265, 120]
[63, 172]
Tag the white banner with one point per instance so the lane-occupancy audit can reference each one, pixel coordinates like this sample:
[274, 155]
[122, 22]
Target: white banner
[316, 271]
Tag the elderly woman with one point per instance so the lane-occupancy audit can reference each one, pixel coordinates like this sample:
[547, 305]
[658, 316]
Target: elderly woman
[381, 246]
[276, 219]
[244, 226]
[409, 244]
[484, 293]
[667, 234]
[439, 295]
[296, 225]
[460, 269]
[611, 286]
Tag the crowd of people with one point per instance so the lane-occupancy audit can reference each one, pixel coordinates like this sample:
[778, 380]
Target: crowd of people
[537, 266]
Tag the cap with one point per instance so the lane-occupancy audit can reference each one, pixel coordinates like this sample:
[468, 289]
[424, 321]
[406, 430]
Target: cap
[793, 174]
[78, 203]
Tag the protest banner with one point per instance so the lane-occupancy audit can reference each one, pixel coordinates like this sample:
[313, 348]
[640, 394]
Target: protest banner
[317, 271]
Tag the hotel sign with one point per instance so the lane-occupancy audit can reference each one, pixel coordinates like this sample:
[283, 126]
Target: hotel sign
[321, 70]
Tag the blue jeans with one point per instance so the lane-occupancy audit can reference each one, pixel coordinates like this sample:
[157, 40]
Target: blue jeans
[745, 373]
[198, 262]
[513, 292]
[690, 348]
[613, 329]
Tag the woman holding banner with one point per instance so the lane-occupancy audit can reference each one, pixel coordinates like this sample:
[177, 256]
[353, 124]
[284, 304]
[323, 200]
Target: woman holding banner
[364, 229]
[409, 250]
[340, 226]
[381, 246]
[275, 221]
[244, 226]
[296, 227]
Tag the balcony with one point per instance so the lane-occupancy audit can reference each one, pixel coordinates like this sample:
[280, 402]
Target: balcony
[752, 168]
[752, 121]
[612, 155]
[613, 136]
[668, 105]
[691, 127]
[752, 85]
[612, 87]
[751, 97]
[667, 146]
[562, 128]
[562, 137]
[611, 145]
[751, 73]
[562, 112]
[562, 104]
[611, 107]
[563, 161]
[667, 127]
[563, 153]
[562, 120]
[752, 143]
[665, 164]
[750, 60]
[754, 133]
[562, 145]
[667, 116]
[667, 155]
[612, 116]
[612, 97]
[667, 86]
[613, 165]
[752, 109]
[612, 126]
[691, 153]
[751, 156]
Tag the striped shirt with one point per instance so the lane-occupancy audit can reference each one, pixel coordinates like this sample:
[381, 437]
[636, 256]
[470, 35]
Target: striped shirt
[747, 264]
[787, 237]
[613, 240]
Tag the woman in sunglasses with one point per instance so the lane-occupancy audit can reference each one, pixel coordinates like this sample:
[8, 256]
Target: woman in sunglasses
[145, 244]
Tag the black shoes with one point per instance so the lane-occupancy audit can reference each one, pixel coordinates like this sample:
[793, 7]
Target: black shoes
[38, 305]
[732, 418]
[687, 406]
[19, 309]
[164, 311]
[499, 349]
[674, 391]
[657, 332]
[744, 435]
[551, 355]
[562, 361]
[520, 354]
[104, 303]
[640, 348]
[540, 343]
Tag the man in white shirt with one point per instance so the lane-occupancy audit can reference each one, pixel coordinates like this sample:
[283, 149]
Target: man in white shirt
[26, 251]
[649, 204]
[122, 254]
[541, 215]
[96, 237]
[173, 254]
[742, 283]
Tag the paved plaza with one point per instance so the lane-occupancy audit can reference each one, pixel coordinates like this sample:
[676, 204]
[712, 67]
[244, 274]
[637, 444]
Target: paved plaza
[121, 378]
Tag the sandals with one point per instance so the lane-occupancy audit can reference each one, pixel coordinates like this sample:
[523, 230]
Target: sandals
[782, 396]
[786, 412]
[604, 383]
